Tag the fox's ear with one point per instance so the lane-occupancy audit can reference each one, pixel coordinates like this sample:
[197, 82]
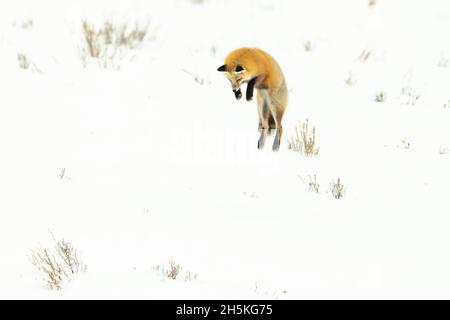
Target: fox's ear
[222, 68]
[239, 68]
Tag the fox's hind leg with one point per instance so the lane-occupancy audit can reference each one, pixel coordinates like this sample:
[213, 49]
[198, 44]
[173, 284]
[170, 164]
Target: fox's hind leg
[277, 115]
[278, 101]
[271, 121]
[263, 112]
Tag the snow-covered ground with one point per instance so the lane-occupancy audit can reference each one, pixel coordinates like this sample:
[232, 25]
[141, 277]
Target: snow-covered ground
[160, 161]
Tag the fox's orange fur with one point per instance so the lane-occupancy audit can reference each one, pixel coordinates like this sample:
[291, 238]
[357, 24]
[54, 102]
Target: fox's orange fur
[260, 71]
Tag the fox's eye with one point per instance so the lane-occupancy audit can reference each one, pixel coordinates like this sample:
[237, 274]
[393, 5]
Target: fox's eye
[239, 68]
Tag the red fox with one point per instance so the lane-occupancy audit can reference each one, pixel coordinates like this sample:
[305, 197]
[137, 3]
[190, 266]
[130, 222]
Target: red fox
[261, 72]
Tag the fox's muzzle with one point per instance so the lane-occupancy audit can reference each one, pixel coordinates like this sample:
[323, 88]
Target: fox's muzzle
[237, 93]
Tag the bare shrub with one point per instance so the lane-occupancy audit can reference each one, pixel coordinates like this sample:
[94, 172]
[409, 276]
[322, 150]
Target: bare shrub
[24, 63]
[380, 96]
[24, 24]
[69, 255]
[59, 265]
[304, 140]
[62, 173]
[201, 80]
[27, 24]
[443, 150]
[173, 272]
[350, 80]
[405, 144]
[337, 188]
[372, 3]
[49, 265]
[409, 95]
[313, 184]
[442, 61]
[213, 50]
[251, 195]
[108, 42]
[190, 277]
[307, 46]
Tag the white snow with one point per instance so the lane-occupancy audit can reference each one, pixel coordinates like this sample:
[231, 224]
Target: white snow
[160, 167]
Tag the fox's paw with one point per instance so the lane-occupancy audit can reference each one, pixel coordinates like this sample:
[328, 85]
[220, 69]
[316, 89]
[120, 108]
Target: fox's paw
[237, 94]
[260, 144]
[276, 142]
[249, 97]
[276, 145]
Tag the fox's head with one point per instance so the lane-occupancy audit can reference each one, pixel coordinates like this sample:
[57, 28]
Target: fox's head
[237, 74]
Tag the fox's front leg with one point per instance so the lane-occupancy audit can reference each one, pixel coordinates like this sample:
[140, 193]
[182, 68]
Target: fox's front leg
[263, 109]
[250, 89]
